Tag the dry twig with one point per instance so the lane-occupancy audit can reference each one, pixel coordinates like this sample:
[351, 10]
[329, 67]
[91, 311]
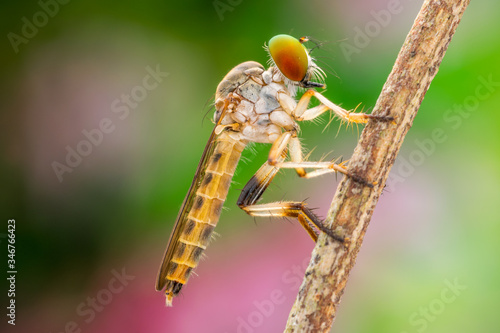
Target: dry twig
[352, 207]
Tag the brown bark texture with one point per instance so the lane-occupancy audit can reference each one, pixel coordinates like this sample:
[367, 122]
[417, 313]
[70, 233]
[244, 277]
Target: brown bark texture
[418, 61]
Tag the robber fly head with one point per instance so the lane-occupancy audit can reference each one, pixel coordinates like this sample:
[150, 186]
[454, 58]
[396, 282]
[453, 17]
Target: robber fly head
[291, 58]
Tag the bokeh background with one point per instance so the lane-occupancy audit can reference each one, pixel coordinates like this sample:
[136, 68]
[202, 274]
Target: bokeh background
[430, 260]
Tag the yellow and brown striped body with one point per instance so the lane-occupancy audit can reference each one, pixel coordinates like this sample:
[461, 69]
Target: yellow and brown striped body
[204, 213]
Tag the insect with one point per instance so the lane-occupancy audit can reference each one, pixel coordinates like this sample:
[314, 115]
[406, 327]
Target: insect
[253, 104]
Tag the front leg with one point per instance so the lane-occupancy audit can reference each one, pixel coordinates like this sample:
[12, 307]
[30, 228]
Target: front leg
[300, 111]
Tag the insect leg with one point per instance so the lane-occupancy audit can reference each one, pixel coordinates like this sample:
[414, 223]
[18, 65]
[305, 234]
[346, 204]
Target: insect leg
[254, 189]
[291, 140]
[321, 168]
[256, 186]
[297, 209]
[301, 112]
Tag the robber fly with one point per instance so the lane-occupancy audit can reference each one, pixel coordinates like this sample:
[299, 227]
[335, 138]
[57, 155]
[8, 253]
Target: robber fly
[253, 104]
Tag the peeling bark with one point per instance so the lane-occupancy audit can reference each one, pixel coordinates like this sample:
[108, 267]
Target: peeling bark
[353, 204]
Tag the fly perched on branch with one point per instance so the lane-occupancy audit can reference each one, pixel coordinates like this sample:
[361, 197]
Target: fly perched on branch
[254, 105]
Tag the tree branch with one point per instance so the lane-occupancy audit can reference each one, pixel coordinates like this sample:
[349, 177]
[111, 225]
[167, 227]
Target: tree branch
[353, 204]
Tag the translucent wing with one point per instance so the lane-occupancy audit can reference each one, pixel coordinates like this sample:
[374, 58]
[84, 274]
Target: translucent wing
[186, 207]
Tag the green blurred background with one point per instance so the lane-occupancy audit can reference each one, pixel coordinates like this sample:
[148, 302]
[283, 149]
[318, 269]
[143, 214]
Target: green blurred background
[430, 259]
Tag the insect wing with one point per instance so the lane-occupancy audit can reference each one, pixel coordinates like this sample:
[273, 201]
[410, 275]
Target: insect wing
[185, 208]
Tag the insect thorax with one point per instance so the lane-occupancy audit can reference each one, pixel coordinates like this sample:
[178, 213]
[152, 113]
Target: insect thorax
[248, 98]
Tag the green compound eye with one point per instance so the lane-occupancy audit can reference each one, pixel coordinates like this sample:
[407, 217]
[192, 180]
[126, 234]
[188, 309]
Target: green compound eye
[290, 56]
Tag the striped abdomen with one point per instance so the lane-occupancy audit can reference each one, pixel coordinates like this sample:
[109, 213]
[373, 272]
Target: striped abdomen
[200, 219]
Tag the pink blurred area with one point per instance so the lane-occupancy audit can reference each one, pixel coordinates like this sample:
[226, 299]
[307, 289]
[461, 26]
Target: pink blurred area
[244, 284]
